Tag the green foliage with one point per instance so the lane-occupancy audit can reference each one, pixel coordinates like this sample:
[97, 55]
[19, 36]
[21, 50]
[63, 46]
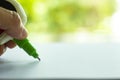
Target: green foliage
[60, 16]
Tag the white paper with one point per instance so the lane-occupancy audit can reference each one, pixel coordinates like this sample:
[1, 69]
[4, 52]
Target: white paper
[63, 61]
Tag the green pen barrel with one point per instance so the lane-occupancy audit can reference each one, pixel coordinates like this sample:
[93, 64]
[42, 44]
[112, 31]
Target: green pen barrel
[27, 47]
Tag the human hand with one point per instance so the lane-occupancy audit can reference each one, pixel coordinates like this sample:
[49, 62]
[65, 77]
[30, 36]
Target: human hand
[11, 24]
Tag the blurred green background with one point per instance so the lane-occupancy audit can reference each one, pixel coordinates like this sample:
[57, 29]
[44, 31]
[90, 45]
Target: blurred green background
[60, 20]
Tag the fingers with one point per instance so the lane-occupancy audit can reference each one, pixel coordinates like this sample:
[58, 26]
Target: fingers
[10, 44]
[2, 49]
[11, 23]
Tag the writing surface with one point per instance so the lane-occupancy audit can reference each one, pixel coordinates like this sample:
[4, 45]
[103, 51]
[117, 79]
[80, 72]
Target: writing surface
[63, 61]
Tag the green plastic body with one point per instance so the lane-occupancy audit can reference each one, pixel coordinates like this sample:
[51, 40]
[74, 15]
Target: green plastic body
[27, 47]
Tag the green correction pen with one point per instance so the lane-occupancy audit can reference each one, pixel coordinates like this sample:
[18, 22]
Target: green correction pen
[27, 47]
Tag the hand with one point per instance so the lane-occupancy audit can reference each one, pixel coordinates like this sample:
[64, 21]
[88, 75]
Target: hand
[10, 23]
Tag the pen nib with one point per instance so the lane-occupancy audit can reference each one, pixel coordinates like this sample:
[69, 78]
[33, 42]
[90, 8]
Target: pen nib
[38, 58]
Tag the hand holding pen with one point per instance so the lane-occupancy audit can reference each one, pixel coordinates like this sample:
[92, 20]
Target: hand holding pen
[12, 21]
[11, 24]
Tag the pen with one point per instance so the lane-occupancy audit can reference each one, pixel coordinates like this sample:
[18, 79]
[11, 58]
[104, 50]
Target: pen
[24, 44]
[27, 47]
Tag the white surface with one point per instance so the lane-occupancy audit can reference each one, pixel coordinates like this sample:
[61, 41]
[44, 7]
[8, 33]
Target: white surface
[63, 61]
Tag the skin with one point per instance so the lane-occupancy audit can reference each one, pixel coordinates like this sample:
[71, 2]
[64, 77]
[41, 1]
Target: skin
[10, 23]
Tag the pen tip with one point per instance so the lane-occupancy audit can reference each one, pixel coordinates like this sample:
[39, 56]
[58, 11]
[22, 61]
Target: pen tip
[38, 59]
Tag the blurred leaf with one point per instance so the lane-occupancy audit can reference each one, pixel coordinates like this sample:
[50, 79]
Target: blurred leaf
[61, 16]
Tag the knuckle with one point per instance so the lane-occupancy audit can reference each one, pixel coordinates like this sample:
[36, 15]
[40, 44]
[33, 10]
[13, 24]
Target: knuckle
[15, 19]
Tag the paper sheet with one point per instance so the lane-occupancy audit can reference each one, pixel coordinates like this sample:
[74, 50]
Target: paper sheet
[63, 61]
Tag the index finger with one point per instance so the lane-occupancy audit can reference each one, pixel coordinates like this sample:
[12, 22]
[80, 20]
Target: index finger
[11, 23]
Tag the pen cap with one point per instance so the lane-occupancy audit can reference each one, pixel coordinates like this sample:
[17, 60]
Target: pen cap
[25, 44]
[14, 6]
